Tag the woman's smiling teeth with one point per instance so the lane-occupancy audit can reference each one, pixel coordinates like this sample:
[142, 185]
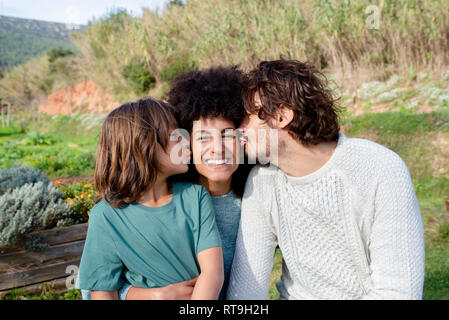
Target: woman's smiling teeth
[217, 161]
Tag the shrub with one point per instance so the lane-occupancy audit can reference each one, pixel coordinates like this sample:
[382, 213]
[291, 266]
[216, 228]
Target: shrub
[81, 196]
[64, 163]
[56, 53]
[32, 207]
[176, 65]
[17, 176]
[35, 138]
[46, 84]
[138, 76]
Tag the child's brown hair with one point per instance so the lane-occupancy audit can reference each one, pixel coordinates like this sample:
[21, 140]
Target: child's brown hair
[127, 150]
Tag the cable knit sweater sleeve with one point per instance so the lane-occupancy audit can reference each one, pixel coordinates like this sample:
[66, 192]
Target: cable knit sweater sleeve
[256, 243]
[396, 247]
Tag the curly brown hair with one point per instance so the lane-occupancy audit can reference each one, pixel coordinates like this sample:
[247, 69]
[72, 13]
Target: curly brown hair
[301, 87]
[127, 150]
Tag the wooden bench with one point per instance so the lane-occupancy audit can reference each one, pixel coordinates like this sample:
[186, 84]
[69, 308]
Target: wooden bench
[30, 270]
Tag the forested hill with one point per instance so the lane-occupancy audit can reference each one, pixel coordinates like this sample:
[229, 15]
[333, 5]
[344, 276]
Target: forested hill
[22, 39]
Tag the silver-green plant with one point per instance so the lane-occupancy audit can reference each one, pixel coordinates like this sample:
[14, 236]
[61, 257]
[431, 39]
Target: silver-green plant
[32, 207]
[17, 176]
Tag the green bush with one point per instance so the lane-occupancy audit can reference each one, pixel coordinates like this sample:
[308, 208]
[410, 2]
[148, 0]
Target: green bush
[55, 160]
[64, 163]
[176, 65]
[56, 53]
[138, 77]
[81, 196]
[32, 207]
[46, 84]
[35, 138]
[17, 176]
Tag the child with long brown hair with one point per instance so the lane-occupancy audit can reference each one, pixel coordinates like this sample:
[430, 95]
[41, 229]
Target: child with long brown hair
[145, 230]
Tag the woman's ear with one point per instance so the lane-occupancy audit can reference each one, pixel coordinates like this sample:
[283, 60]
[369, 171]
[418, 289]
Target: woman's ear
[284, 116]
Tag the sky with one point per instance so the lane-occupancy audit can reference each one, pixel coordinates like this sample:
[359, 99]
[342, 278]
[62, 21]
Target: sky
[71, 11]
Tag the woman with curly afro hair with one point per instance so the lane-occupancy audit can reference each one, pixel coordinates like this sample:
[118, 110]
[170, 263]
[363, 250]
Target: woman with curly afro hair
[209, 106]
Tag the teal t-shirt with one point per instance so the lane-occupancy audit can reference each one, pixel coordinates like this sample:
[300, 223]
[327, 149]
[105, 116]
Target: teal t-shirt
[148, 247]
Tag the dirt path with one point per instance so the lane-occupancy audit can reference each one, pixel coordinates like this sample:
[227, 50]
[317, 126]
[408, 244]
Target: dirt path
[70, 180]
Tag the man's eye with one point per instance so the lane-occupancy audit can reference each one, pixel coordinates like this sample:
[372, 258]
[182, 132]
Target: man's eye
[203, 138]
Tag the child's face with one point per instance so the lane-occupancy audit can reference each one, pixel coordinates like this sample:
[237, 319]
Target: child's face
[215, 148]
[177, 156]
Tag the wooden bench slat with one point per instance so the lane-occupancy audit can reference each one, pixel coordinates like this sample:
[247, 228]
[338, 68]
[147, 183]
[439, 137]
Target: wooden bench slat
[53, 236]
[62, 235]
[57, 286]
[19, 278]
[65, 250]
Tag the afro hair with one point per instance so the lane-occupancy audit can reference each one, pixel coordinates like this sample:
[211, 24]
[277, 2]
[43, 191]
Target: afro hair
[207, 93]
[212, 92]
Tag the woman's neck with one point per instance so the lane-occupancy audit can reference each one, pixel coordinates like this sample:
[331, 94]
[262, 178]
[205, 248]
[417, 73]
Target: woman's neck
[158, 195]
[216, 188]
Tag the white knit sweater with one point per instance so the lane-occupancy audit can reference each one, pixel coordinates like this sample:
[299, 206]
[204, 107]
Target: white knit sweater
[350, 230]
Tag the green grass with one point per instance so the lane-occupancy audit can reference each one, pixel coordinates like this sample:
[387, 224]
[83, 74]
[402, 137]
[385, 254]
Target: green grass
[276, 273]
[46, 294]
[59, 145]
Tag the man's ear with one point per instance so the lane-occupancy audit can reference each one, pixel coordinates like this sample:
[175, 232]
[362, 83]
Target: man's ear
[284, 116]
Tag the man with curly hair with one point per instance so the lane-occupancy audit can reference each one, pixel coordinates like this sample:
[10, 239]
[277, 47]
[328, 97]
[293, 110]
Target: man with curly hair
[342, 210]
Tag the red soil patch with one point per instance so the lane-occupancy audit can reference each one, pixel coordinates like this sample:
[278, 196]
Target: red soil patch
[83, 97]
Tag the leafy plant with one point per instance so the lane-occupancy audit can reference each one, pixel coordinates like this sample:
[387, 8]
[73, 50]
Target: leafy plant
[32, 207]
[17, 176]
[81, 196]
[138, 76]
[46, 84]
[176, 65]
[59, 52]
[35, 138]
[47, 293]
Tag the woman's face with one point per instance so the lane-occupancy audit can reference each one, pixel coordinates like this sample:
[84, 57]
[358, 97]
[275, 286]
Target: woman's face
[215, 148]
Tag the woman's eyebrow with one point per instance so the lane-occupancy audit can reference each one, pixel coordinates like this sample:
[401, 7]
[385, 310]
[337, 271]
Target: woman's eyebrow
[201, 132]
[209, 132]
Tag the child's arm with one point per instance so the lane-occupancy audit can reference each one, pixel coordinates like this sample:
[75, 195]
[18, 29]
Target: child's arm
[104, 295]
[211, 278]
[101, 267]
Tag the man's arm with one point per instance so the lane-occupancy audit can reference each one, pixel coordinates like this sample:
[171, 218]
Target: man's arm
[211, 278]
[255, 247]
[177, 291]
[104, 295]
[396, 248]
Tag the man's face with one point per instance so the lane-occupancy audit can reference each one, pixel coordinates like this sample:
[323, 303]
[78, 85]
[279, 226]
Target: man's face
[260, 138]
